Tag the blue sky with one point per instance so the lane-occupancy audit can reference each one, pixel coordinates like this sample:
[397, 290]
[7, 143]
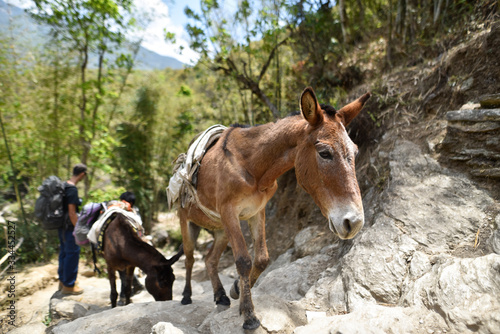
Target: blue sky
[176, 8]
[165, 14]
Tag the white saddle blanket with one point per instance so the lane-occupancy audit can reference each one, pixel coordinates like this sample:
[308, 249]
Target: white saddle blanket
[190, 162]
[134, 220]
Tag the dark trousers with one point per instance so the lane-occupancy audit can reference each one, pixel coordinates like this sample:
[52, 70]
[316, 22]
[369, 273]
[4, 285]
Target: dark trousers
[69, 255]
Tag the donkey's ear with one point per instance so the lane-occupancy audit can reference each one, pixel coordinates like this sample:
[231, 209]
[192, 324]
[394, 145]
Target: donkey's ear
[350, 111]
[176, 257]
[310, 108]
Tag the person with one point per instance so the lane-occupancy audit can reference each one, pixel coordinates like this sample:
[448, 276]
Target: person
[69, 253]
[128, 198]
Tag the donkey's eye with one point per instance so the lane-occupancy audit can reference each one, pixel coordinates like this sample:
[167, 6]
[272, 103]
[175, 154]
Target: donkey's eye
[326, 155]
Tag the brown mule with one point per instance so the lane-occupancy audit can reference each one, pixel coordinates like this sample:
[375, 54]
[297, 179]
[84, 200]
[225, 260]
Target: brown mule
[237, 177]
[124, 250]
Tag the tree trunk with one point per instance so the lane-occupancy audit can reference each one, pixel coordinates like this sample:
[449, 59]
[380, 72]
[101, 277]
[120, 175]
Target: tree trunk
[343, 19]
[389, 39]
[55, 122]
[14, 177]
[361, 19]
[263, 97]
[401, 17]
[83, 106]
[438, 4]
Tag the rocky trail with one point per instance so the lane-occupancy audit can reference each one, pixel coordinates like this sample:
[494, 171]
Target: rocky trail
[41, 307]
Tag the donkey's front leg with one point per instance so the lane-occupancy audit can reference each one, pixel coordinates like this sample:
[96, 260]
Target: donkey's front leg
[243, 264]
[261, 257]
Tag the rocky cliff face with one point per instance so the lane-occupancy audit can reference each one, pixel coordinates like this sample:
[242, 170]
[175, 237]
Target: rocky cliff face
[427, 260]
[473, 138]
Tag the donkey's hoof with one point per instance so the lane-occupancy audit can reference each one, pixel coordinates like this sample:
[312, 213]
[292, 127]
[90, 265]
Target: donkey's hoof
[186, 301]
[235, 290]
[223, 301]
[252, 323]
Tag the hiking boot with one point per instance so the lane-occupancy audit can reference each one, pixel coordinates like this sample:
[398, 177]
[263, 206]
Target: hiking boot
[75, 290]
[60, 286]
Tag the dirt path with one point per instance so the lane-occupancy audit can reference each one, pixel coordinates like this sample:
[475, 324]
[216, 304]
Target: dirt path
[37, 286]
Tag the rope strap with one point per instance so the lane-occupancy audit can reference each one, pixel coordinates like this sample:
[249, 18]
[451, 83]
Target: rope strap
[209, 213]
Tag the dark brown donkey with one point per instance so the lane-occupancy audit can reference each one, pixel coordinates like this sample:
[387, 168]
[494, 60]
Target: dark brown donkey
[238, 176]
[124, 250]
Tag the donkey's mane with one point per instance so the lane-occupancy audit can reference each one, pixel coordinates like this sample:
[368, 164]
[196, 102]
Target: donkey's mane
[238, 125]
[328, 109]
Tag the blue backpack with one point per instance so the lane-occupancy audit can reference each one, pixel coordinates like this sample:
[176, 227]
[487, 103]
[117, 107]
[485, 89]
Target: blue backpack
[90, 213]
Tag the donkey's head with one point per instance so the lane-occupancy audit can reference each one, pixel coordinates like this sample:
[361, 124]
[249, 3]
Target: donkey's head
[159, 283]
[324, 164]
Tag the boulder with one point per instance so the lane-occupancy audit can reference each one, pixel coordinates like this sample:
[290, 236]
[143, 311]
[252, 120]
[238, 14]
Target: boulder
[165, 328]
[472, 141]
[140, 318]
[376, 319]
[464, 291]
[275, 314]
[490, 100]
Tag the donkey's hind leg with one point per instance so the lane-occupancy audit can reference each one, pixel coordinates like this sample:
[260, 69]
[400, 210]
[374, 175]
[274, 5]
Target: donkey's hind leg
[112, 282]
[129, 276]
[190, 233]
[212, 264]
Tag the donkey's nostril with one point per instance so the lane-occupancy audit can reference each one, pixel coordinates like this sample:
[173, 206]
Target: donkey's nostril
[347, 225]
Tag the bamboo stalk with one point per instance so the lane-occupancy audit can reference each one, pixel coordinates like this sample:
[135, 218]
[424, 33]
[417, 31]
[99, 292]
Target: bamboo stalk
[14, 179]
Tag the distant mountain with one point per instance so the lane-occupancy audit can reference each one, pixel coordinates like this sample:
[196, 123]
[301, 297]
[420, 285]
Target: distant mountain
[149, 60]
[15, 22]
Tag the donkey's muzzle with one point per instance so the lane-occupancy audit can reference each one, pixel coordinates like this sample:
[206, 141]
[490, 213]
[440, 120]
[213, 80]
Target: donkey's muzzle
[346, 224]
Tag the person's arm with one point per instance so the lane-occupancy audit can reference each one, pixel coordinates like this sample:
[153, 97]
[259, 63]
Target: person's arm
[72, 213]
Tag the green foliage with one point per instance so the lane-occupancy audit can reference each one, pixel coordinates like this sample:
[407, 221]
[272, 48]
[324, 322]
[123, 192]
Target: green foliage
[175, 237]
[80, 29]
[130, 126]
[47, 319]
[184, 91]
[135, 152]
[104, 195]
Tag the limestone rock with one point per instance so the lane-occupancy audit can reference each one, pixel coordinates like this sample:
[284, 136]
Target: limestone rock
[490, 100]
[68, 309]
[165, 328]
[275, 314]
[292, 281]
[30, 328]
[310, 241]
[376, 319]
[474, 115]
[140, 318]
[464, 291]
[472, 140]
